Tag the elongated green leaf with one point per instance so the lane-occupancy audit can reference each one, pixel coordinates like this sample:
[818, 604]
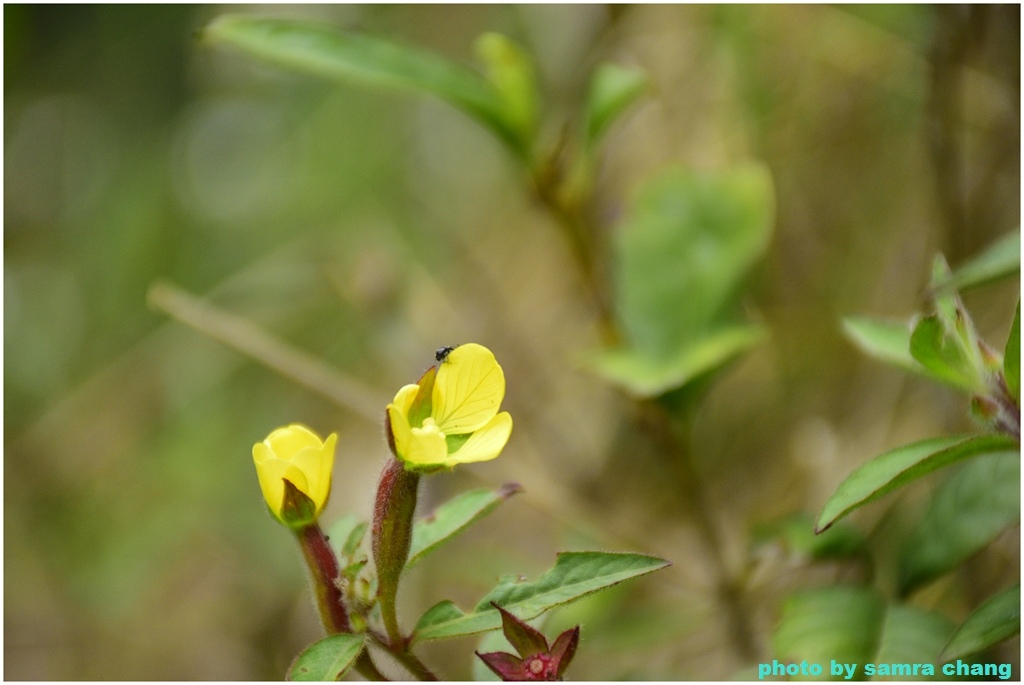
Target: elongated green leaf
[1011, 358]
[841, 623]
[328, 659]
[1000, 259]
[611, 91]
[455, 516]
[896, 468]
[941, 354]
[682, 251]
[574, 575]
[888, 341]
[977, 502]
[994, 621]
[646, 376]
[322, 50]
[511, 72]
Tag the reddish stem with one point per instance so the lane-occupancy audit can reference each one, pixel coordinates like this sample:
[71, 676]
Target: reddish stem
[324, 570]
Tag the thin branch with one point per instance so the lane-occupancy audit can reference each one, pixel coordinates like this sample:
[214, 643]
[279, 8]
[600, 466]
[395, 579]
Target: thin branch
[251, 340]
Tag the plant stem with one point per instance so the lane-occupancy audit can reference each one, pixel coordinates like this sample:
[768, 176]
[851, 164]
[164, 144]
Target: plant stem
[583, 242]
[368, 669]
[1008, 419]
[674, 436]
[324, 572]
[403, 656]
[393, 511]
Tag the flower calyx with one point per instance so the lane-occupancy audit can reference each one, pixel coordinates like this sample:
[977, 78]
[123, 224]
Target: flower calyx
[536, 661]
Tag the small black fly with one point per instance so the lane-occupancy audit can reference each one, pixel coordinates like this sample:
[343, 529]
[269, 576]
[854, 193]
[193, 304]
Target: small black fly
[442, 353]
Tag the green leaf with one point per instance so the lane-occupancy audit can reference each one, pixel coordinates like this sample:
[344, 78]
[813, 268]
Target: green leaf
[322, 50]
[969, 510]
[943, 356]
[841, 623]
[796, 533]
[855, 626]
[511, 72]
[687, 242]
[945, 300]
[346, 534]
[1000, 259]
[994, 621]
[888, 341]
[1011, 358]
[453, 517]
[575, 575]
[612, 89]
[328, 659]
[645, 376]
[910, 635]
[896, 468]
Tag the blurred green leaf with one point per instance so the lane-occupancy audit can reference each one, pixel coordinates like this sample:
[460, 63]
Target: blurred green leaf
[612, 89]
[645, 376]
[574, 575]
[975, 504]
[1000, 259]
[346, 534]
[945, 300]
[996, 620]
[854, 625]
[896, 468]
[796, 533]
[943, 356]
[682, 251]
[888, 341]
[511, 72]
[841, 623]
[323, 50]
[453, 517]
[910, 635]
[328, 659]
[1011, 358]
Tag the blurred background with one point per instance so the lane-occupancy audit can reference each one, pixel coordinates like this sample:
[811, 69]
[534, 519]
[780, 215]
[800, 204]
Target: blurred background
[365, 229]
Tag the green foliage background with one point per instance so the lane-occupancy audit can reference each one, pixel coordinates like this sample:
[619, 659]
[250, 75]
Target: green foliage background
[369, 228]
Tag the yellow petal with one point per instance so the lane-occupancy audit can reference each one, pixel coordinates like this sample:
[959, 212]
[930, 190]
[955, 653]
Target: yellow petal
[404, 398]
[485, 443]
[427, 447]
[468, 390]
[399, 428]
[289, 441]
[316, 464]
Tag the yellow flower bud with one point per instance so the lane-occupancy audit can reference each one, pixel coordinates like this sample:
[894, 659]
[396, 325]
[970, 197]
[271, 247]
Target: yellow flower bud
[463, 424]
[295, 454]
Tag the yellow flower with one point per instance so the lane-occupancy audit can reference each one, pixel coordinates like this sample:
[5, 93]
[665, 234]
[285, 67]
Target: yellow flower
[451, 416]
[295, 454]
